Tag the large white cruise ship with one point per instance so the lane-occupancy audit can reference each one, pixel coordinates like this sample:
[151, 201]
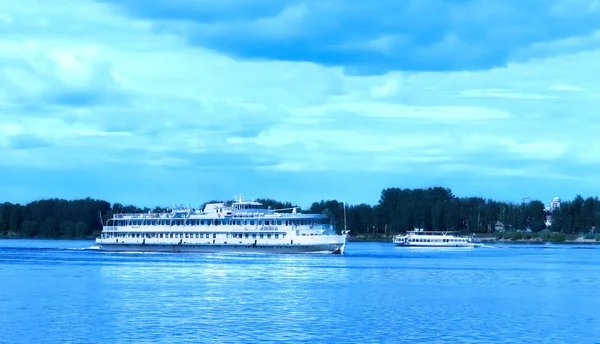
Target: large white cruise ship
[241, 226]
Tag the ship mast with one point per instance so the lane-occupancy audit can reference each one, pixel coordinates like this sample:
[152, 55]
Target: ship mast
[345, 217]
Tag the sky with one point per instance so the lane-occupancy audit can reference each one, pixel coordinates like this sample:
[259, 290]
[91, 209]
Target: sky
[167, 102]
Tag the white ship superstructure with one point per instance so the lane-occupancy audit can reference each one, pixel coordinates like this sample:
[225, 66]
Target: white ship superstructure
[243, 226]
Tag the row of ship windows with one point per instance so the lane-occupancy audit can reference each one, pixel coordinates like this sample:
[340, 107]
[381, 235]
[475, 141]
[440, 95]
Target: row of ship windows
[187, 222]
[181, 222]
[436, 240]
[192, 235]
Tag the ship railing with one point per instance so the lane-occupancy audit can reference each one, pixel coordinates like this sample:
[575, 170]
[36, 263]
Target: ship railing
[321, 228]
[243, 214]
[142, 216]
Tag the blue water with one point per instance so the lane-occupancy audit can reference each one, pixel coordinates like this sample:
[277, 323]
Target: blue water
[56, 292]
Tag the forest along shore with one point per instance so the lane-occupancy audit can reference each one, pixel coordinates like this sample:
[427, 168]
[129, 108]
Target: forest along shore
[396, 211]
[543, 237]
[514, 237]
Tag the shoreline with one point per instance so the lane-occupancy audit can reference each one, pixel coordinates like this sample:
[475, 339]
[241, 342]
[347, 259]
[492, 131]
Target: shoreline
[540, 241]
[487, 239]
[505, 238]
[11, 237]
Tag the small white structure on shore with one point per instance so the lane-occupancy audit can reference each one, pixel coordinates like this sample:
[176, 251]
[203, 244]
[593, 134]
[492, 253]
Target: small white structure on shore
[554, 205]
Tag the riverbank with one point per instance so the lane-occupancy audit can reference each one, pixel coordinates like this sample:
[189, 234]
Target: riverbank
[12, 235]
[370, 238]
[509, 237]
[540, 238]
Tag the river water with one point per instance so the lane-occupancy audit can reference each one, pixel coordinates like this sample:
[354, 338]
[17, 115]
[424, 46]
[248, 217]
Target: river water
[55, 291]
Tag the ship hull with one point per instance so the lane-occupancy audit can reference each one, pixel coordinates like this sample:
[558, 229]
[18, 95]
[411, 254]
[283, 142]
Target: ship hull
[225, 248]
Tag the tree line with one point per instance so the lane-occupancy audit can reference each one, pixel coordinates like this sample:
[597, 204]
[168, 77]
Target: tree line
[397, 211]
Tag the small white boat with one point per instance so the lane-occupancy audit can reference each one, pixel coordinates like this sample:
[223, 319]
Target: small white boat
[421, 238]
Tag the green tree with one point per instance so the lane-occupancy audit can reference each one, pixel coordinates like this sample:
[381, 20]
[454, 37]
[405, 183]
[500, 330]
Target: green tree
[49, 228]
[588, 213]
[558, 221]
[67, 229]
[81, 229]
[29, 228]
[15, 219]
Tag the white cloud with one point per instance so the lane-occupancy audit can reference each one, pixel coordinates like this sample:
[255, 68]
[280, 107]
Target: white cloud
[566, 46]
[288, 22]
[545, 150]
[499, 93]
[400, 111]
[567, 88]
[528, 172]
[587, 153]
[389, 88]
[10, 129]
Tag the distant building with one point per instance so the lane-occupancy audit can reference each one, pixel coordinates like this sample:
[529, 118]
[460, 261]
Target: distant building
[499, 226]
[555, 204]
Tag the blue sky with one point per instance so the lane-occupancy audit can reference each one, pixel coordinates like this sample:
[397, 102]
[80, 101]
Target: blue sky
[163, 102]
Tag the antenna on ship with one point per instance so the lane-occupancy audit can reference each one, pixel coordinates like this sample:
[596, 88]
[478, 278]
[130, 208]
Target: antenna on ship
[345, 229]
